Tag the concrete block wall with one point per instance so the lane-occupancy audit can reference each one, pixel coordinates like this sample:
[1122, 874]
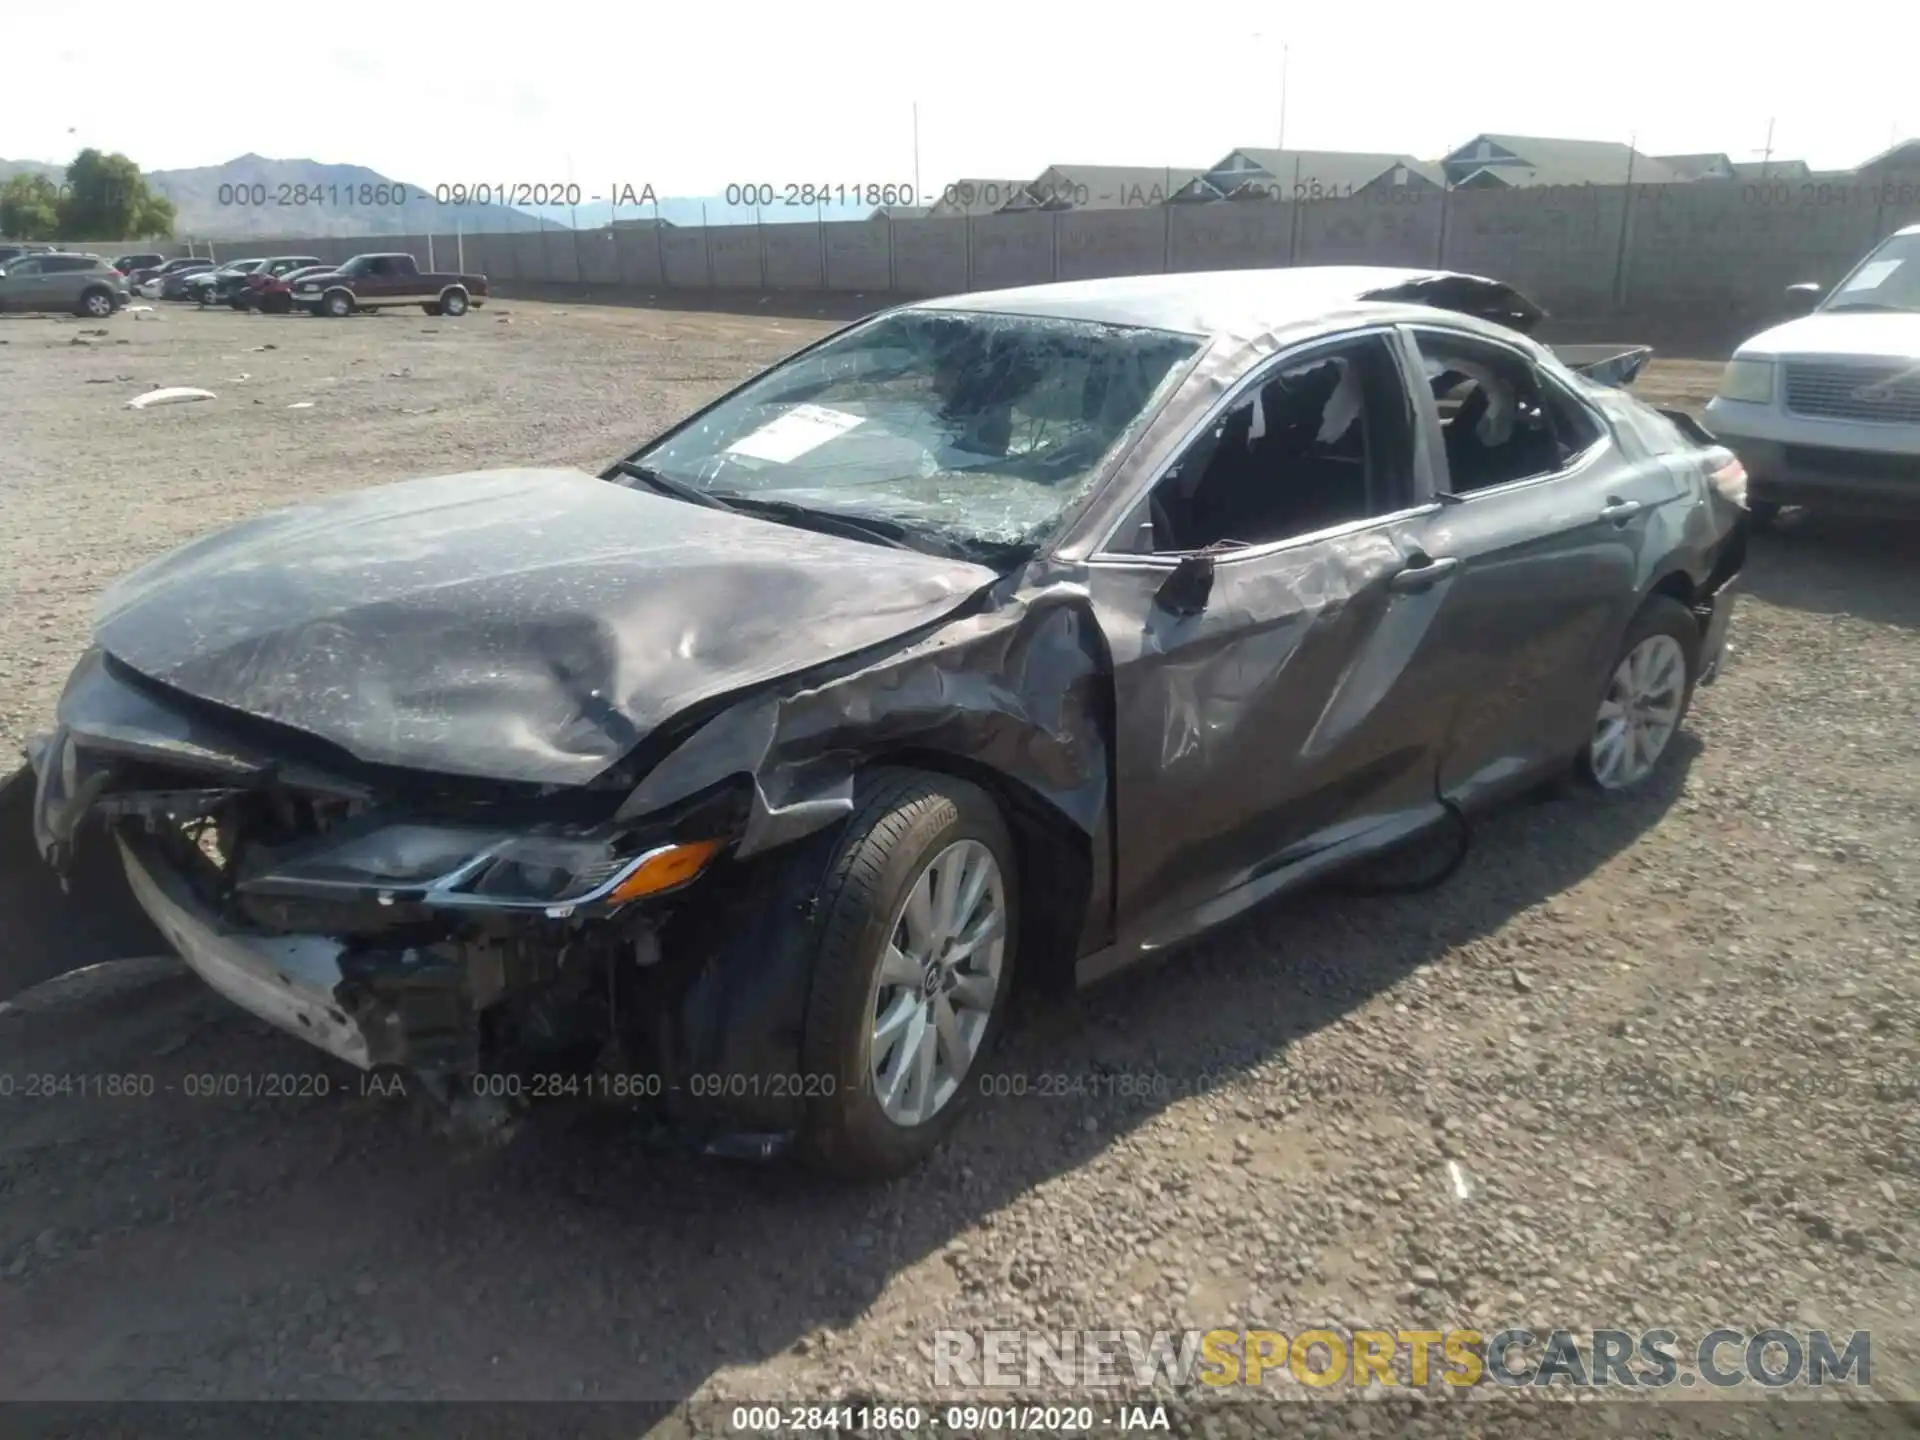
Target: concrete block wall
[1711, 248]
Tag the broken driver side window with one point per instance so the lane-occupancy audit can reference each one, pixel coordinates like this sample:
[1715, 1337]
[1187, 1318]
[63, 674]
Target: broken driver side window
[1322, 441]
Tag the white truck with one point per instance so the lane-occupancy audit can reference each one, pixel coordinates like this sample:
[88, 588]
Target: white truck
[1824, 410]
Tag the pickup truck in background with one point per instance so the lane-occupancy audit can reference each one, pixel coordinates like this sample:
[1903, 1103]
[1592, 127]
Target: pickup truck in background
[374, 282]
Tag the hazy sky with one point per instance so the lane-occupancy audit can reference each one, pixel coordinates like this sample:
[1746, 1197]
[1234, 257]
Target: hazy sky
[691, 97]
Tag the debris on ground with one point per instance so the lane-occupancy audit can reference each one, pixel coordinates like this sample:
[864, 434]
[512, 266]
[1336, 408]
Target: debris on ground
[169, 395]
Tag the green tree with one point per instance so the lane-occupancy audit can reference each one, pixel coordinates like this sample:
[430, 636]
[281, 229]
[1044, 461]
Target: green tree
[106, 198]
[29, 208]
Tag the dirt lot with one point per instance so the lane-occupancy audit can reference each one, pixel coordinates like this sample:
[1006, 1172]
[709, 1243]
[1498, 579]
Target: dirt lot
[1671, 1043]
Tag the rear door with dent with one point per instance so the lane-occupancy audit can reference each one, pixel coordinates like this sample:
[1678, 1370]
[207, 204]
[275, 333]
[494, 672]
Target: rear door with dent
[1546, 532]
[1263, 719]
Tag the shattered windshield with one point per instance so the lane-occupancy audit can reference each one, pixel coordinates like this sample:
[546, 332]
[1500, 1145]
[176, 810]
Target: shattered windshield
[1888, 280]
[950, 428]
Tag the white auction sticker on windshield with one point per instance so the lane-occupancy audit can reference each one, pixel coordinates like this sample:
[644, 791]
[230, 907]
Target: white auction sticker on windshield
[1871, 275]
[789, 436]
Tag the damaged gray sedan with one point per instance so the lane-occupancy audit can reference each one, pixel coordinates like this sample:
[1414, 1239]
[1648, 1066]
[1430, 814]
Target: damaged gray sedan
[1008, 637]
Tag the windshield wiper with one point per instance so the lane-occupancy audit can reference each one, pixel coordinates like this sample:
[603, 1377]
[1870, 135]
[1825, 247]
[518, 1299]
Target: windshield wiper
[833, 522]
[667, 485]
[1873, 305]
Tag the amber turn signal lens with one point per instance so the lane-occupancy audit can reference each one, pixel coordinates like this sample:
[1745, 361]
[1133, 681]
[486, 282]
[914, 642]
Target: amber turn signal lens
[663, 869]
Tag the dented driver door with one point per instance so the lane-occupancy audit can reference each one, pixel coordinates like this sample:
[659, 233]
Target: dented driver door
[1261, 718]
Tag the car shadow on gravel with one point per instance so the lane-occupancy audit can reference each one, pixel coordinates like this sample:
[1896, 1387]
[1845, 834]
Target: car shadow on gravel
[1839, 565]
[324, 1246]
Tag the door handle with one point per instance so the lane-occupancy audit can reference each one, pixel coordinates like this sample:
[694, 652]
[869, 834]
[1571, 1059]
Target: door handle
[1620, 511]
[1422, 573]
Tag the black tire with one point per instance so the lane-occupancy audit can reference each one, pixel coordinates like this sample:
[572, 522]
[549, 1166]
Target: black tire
[95, 304]
[905, 819]
[453, 303]
[337, 304]
[1764, 513]
[1661, 615]
[45, 930]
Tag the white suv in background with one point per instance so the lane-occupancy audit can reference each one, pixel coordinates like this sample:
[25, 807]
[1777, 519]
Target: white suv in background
[1824, 411]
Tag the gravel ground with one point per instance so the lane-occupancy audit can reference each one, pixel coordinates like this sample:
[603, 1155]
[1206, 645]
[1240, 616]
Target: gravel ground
[1670, 1043]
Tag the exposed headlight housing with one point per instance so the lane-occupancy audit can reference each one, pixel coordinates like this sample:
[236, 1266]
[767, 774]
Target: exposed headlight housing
[449, 867]
[1747, 380]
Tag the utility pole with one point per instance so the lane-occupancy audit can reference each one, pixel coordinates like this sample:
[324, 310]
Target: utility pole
[1283, 95]
[918, 197]
[1766, 153]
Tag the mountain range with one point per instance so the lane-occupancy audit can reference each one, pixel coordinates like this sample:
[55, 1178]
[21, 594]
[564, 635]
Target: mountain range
[252, 195]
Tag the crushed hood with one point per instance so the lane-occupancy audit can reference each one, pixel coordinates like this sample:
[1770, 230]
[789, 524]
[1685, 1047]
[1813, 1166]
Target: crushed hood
[1842, 334]
[529, 625]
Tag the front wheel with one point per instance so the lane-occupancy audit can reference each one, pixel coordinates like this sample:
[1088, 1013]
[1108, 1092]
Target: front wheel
[921, 908]
[453, 303]
[1764, 513]
[338, 304]
[95, 305]
[1646, 697]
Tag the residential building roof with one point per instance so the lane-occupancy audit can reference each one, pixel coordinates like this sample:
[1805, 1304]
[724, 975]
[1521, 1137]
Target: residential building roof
[1771, 169]
[1550, 161]
[1903, 156]
[1695, 167]
[1106, 187]
[1317, 171]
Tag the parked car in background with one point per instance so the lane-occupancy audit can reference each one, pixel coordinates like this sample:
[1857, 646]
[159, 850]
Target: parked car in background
[1024, 633]
[202, 287]
[63, 281]
[173, 284]
[246, 294]
[146, 260]
[138, 277]
[1824, 411]
[275, 292]
[376, 282]
[10, 253]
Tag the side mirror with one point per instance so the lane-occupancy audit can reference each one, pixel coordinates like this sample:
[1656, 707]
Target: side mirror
[1803, 297]
[1188, 588]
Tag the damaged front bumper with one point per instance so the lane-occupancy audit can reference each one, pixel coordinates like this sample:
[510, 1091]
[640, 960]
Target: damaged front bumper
[454, 936]
[290, 981]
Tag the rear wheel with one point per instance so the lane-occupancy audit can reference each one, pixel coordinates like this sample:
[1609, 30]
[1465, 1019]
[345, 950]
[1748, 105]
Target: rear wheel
[1645, 698]
[911, 982]
[1764, 513]
[338, 304]
[454, 303]
[96, 304]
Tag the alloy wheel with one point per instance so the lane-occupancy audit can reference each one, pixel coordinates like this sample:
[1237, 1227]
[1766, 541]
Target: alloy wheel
[1640, 712]
[937, 982]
